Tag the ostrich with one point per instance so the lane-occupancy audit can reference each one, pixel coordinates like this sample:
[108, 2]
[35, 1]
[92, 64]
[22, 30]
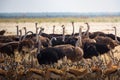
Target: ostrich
[114, 37]
[59, 40]
[8, 48]
[51, 55]
[95, 34]
[97, 45]
[88, 44]
[86, 38]
[5, 39]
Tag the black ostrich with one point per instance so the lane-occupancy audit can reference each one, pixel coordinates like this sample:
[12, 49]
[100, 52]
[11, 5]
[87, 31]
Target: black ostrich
[20, 45]
[95, 34]
[106, 41]
[114, 36]
[90, 47]
[94, 49]
[59, 39]
[8, 48]
[85, 36]
[51, 55]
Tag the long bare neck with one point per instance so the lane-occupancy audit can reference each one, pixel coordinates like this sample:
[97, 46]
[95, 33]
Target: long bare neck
[17, 30]
[20, 35]
[116, 35]
[36, 27]
[20, 32]
[26, 34]
[87, 32]
[63, 39]
[79, 42]
[37, 35]
[39, 45]
[53, 29]
[25, 30]
[80, 36]
[39, 41]
[73, 28]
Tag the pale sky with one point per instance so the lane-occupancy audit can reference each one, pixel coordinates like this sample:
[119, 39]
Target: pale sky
[59, 6]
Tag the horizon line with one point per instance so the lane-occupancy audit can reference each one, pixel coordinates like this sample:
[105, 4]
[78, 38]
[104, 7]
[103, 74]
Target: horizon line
[60, 12]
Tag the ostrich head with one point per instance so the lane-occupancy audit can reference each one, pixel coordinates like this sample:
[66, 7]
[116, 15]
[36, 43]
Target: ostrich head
[41, 30]
[25, 29]
[36, 24]
[72, 22]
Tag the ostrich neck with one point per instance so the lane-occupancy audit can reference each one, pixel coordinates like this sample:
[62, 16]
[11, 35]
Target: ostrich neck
[20, 35]
[63, 39]
[53, 29]
[39, 41]
[73, 29]
[80, 36]
[37, 34]
[17, 30]
[79, 42]
[53, 38]
[27, 33]
[39, 44]
[87, 32]
[25, 30]
[116, 35]
[36, 27]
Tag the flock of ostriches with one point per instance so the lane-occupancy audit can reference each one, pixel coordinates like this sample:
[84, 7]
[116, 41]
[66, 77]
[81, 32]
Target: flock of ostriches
[81, 55]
